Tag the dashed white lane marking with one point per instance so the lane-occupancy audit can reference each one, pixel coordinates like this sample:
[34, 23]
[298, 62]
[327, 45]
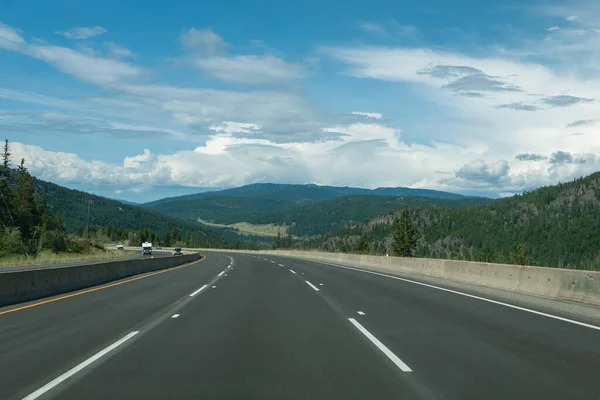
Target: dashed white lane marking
[175, 316]
[571, 321]
[272, 261]
[360, 313]
[221, 273]
[292, 271]
[52, 384]
[281, 265]
[225, 275]
[214, 287]
[320, 284]
[312, 286]
[399, 363]
[198, 291]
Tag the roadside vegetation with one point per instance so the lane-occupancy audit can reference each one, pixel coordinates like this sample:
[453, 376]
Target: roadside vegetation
[553, 226]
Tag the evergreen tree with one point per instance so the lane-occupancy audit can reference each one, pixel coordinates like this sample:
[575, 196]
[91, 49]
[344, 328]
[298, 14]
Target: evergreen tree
[487, 252]
[289, 241]
[520, 255]
[362, 247]
[26, 209]
[277, 243]
[405, 235]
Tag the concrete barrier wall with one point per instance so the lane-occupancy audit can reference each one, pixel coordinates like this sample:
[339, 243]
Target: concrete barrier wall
[562, 284]
[21, 286]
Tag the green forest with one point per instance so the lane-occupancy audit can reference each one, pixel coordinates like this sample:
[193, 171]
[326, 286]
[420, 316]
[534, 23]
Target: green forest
[553, 226]
[330, 215]
[282, 203]
[40, 216]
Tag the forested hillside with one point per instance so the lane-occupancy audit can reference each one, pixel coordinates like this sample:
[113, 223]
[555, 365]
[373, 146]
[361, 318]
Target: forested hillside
[551, 226]
[105, 213]
[329, 215]
[248, 202]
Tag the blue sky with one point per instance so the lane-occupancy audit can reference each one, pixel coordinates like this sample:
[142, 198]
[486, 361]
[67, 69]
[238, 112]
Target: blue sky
[141, 100]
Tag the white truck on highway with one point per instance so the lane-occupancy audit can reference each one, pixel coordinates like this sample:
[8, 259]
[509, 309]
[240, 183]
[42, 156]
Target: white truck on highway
[146, 248]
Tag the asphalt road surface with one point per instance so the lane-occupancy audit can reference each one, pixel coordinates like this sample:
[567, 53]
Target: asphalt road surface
[266, 327]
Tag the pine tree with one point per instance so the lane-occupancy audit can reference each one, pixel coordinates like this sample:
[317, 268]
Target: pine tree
[487, 253]
[26, 208]
[289, 241]
[520, 255]
[277, 243]
[362, 247]
[405, 235]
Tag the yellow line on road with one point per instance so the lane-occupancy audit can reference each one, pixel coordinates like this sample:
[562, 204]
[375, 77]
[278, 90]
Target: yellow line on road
[39, 303]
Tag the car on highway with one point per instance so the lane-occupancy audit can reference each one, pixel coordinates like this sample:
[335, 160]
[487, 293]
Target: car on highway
[159, 247]
[120, 247]
[177, 251]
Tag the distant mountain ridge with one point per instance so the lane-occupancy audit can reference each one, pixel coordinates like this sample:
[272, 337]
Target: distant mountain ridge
[308, 191]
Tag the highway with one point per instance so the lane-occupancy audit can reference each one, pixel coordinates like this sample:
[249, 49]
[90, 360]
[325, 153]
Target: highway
[34, 267]
[267, 327]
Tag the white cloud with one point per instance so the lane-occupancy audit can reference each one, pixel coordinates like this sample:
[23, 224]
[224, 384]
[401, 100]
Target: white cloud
[205, 41]
[571, 18]
[97, 70]
[81, 33]
[118, 51]
[139, 160]
[553, 28]
[250, 68]
[10, 39]
[368, 114]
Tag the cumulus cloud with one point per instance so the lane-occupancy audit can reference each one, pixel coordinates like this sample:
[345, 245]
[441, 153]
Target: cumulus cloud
[553, 28]
[139, 160]
[530, 157]
[565, 100]
[83, 32]
[563, 157]
[368, 114]
[478, 170]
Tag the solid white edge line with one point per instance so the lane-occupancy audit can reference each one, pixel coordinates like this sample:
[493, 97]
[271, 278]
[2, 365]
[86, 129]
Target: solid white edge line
[394, 358]
[312, 286]
[198, 291]
[55, 382]
[571, 321]
[292, 271]
[221, 273]
[175, 316]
